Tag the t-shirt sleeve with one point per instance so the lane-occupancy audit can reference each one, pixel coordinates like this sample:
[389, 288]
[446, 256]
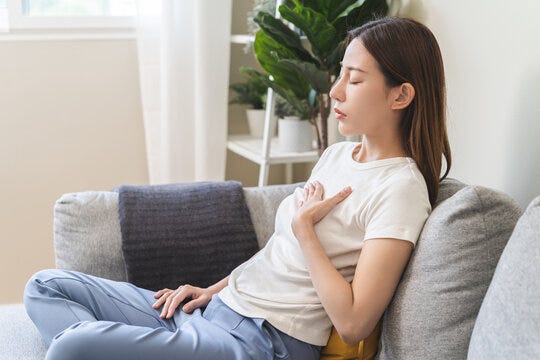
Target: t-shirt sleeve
[398, 212]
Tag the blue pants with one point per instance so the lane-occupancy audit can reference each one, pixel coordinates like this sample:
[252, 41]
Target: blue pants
[86, 317]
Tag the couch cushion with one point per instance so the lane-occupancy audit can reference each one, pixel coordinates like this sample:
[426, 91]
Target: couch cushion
[433, 311]
[87, 234]
[507, 326]
[19, 338]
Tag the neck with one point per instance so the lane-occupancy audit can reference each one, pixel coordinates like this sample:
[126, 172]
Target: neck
[378, 149]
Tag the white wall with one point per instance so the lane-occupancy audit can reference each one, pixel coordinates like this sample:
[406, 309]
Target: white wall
[491, 52]
[70, 120]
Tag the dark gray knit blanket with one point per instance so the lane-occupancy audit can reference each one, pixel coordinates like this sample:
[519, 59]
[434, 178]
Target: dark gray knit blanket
[188, 233]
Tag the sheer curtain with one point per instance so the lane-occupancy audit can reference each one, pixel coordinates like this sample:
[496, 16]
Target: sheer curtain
[183, 49]
[4, 20]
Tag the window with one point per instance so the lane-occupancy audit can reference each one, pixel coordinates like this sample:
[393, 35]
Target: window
[78, 7]
[68, 14]
[3, 16]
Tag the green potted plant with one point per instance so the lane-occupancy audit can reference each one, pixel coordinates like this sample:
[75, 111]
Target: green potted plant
[251, 92]
[304, 76]
[295, 133]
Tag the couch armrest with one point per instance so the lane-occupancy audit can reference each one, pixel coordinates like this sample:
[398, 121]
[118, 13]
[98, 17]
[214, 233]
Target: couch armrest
[87, 234]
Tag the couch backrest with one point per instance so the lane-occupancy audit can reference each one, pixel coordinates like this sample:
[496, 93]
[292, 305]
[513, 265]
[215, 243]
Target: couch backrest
[263, 203]
[87, 230]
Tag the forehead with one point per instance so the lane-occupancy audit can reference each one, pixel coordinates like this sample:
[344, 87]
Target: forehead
[356, 55]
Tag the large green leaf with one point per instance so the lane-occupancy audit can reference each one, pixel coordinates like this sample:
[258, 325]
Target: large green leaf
[269, 53]
[359, 15]
[312, 98]
[335, 57]
[318, 79]
[320, 33]
[369, 10]
[277, 30]
[320, 6]
[332, 8]
[346, 10]
[283, 92]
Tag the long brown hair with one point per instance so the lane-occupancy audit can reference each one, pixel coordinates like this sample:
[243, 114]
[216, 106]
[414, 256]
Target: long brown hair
[407, 51]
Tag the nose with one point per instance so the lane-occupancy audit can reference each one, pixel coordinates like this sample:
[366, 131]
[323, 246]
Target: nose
[337, 91]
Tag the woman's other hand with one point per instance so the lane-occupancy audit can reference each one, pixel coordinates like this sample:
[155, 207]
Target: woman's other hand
[172, 298]
[313, 207]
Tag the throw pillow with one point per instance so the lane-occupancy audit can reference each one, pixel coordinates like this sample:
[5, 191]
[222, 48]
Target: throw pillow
[337, 349]
[433, 311]
[87, 234]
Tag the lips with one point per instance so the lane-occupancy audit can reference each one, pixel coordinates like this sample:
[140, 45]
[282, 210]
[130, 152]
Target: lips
[338, 112]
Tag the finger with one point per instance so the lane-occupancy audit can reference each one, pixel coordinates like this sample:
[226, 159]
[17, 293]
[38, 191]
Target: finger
[310, 190]
[177, 299]
[194, 304]
[306, 191]
[319, 192]
[300, 203]
[340, 196]
[161, 300]
[161, 292]
[165, 309]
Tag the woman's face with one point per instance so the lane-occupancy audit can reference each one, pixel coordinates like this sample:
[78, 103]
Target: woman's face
[361, 94]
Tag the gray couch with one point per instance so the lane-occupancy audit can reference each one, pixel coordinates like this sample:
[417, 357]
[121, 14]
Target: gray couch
[471, 289]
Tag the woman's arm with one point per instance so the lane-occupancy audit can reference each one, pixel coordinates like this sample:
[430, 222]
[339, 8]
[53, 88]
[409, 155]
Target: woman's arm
[355, 308]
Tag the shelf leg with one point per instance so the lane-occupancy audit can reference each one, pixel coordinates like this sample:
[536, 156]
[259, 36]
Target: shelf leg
[288, 173]
[263, 173]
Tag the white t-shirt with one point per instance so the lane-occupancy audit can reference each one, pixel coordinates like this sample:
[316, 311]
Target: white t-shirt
[389, 200]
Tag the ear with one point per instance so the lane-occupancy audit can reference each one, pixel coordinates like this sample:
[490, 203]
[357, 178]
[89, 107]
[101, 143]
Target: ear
[401, 96]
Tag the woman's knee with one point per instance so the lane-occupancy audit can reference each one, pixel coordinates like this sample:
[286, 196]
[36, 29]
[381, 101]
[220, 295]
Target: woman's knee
[72, 343]
[92, 340]
[35, 285]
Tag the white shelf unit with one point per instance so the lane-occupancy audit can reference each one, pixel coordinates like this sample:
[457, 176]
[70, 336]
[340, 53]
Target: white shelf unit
[265, 151]
[250, 148]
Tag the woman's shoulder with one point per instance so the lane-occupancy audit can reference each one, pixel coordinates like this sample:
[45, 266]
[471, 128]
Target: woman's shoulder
[407, 182]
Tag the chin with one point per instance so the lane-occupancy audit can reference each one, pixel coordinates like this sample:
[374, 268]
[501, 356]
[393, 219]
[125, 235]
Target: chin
[344, 131]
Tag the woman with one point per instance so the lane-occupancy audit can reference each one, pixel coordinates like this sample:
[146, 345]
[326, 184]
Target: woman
[340, 244]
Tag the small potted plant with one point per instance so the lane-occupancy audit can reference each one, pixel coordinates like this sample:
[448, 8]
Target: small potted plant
[253, 93]
[295, 132]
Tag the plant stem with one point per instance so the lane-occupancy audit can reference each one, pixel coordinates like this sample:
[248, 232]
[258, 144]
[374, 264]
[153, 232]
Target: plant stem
[324, 111]
[313, 121]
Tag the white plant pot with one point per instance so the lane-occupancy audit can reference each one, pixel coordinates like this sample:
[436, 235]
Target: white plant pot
[256, 122]
[294, 135]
